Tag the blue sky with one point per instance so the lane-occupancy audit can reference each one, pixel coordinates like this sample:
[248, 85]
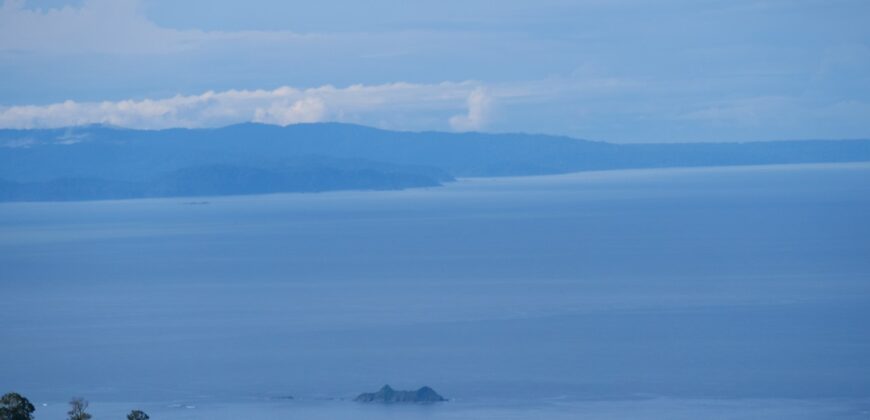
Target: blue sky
[617, 70]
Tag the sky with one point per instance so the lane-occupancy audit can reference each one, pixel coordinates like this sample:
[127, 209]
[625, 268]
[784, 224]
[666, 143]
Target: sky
[612, 70]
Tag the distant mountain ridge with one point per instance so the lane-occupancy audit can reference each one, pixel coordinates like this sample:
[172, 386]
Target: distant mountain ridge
[93, 162]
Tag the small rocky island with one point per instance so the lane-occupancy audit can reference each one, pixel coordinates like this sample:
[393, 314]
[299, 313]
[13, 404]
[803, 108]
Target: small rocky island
[389, 395]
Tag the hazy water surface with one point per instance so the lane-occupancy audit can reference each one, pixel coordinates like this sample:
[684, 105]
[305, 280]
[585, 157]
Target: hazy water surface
[675, 293]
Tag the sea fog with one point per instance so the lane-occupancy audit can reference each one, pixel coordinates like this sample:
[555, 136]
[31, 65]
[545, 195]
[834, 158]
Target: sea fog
[670, 293]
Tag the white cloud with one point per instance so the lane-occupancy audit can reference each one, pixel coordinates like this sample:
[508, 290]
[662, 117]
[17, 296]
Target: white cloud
[479, 105]
[460, 106]
[372, 104]
[302, 111]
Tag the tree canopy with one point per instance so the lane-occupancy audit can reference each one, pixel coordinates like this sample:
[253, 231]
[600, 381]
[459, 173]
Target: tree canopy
[77, 409]
[13, 406]
[137, 415]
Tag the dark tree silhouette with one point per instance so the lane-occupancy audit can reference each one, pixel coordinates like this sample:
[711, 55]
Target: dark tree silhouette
[77, 409]
[137, 415]
[13, 406]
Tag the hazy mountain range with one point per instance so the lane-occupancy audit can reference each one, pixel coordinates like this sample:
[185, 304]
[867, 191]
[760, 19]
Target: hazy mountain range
[100, 162]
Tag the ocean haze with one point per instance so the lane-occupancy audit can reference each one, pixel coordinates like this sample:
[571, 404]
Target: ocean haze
[736, 284]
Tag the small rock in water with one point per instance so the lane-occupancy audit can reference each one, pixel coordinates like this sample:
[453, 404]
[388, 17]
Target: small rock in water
[390, 395]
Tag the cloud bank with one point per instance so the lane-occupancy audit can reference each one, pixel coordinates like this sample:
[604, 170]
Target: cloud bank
[367, 104]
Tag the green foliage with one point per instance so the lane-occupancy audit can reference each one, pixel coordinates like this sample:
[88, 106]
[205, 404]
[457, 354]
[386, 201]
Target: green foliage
[137, 415]
[13, 406]
[77, 409]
